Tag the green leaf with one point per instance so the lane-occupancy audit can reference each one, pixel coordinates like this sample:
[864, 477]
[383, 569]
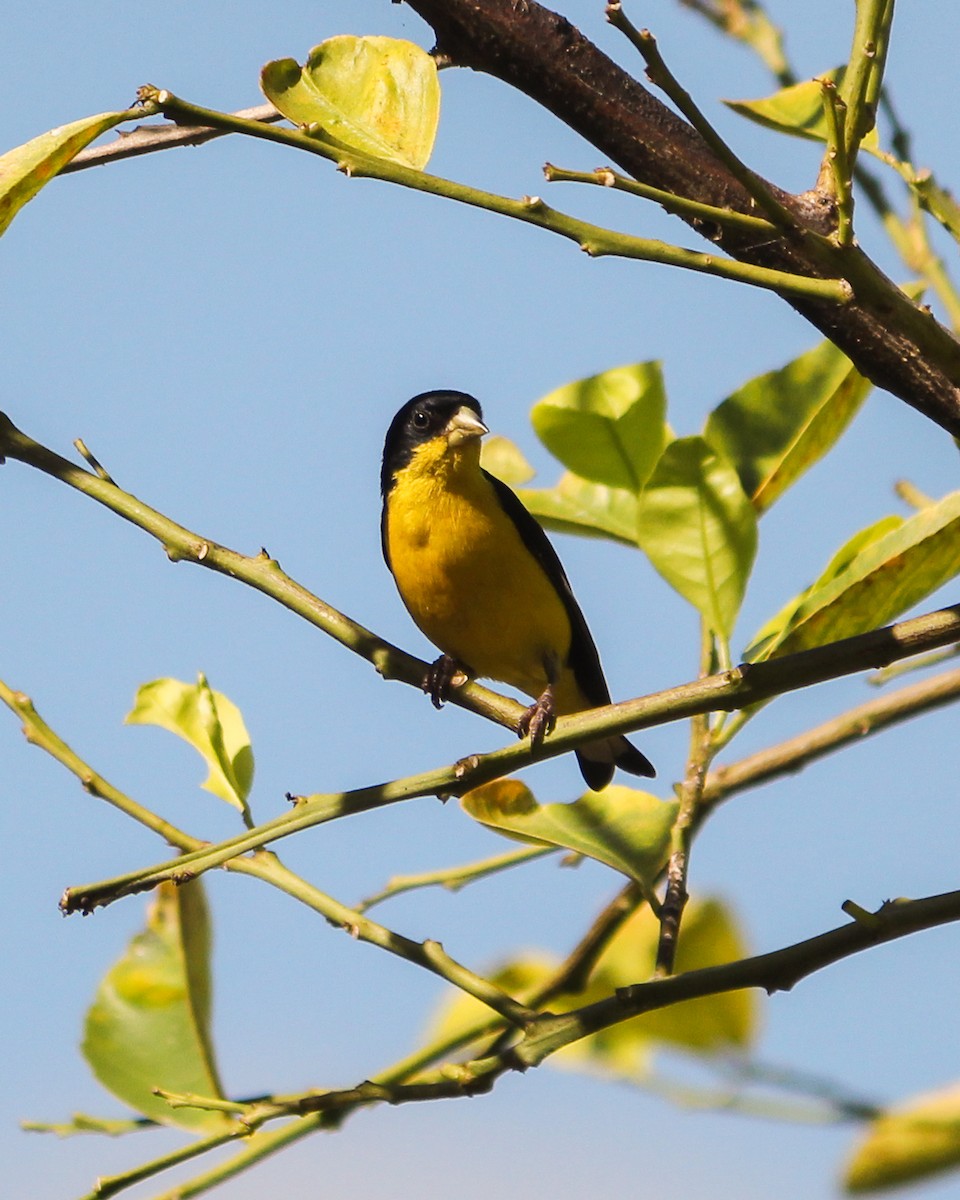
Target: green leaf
[609, 428]
[796, 110]
[778, 425]
[573, 505]
[149, 1024]
[887, 577]
[777, 625]
[699, 529]
[709, 936]
[211, 723]
[937, 201]
[378, 95]
[911, 1142]
[505, 459]
[24, 170]
[624, 828]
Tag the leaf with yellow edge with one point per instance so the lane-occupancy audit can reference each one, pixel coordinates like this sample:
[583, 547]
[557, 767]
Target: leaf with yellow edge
[709, 937]
[609, 428]
[211, 723]
[378, 95]
[913, 1141]
[149, 1024]
[624, 828]
[25, 169]
[775, 628]
[887, 577]
[779, 424]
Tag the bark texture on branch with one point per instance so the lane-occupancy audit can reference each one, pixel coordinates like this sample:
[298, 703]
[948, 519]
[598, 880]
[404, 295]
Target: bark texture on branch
[895, 344]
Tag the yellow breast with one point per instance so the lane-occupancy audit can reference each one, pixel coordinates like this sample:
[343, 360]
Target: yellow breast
[465, 575]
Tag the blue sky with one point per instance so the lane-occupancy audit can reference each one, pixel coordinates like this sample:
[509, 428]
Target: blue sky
[230, 330]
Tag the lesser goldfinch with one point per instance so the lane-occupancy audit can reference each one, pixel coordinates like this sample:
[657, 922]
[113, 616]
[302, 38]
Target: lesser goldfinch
[481, 579]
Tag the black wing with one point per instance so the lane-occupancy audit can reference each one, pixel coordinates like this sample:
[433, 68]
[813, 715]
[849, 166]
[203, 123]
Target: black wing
[584, 660]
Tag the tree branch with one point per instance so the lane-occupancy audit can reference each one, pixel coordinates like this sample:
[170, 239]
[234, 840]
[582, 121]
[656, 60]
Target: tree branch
[890, 340]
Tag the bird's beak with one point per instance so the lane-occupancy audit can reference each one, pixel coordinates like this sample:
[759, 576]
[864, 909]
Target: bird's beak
[464, 425]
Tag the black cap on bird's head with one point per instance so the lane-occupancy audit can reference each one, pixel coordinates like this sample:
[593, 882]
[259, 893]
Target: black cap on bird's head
[423, 418]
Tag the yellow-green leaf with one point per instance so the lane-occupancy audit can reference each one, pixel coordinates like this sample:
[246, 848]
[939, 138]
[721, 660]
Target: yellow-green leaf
[149, 1024]
[608, 428]
[778, 624]
[627, 829]
[24, 170]
[378, 95]
[778, 425]
[908, 1143]
[505, 459]
[709, 936]
[797, 110]
[699, 530]
[211, 723]
[459, 1016]
[574, 505]
[887, 577]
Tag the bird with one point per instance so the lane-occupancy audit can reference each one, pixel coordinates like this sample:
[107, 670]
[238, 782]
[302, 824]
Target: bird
[482, 581]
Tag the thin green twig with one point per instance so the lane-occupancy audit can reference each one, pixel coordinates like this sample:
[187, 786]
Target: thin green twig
[595, 240]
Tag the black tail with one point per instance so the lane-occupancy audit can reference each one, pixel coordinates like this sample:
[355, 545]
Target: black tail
[599, 760]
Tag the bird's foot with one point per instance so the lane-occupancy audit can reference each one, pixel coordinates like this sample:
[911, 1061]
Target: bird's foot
[441, 677]
[539, 719]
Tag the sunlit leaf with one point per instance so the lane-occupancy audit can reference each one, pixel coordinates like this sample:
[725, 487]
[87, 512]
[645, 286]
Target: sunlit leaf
[709, 936]
[609, 428]
[573, 505]
[777, 625]
[149, 1024]
[796, 110]
[25, 169]
[505, 459]
[378, 95]
[211, 723]
[887, 577]
[779, 424]
[911, 1142]
[627, 829]
[699, 529]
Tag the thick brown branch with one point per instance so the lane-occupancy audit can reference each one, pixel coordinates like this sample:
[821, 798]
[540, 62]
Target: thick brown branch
[895, 344]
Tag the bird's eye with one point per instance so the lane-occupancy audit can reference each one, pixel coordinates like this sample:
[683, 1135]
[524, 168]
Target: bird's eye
[420, 419]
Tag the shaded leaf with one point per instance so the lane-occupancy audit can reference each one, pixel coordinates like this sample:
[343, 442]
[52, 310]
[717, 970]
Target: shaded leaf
[211, 723]
[779, 424]
[883, 580]
[699, 530]
[505, 459]
[149, 1024]
[25, 169]
[608, 428]
[622, 827]
[378, 95]
[911, 1142]
[796, 110]
[573, 505]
